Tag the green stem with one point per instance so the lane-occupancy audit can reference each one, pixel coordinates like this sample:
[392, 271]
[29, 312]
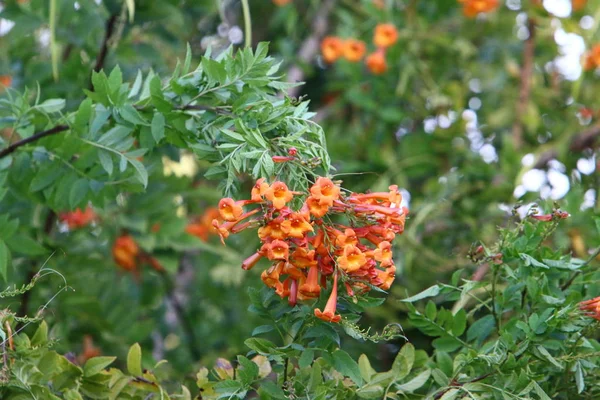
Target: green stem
[53, 48]
[247, 24]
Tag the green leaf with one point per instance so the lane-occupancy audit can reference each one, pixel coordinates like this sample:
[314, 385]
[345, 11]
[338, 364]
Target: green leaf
[158, 126]
[344, 364]
[549, 357]
[532, 261]
[115, 79]
[429, 292]
[4, 259]
[262, 329]
[446, 343]
[364, 366]
[415, 383]
[45, 177]
[370, 392]
[106, 161]
[459, 323]
[83, 115]
[540, 392]
[130, 114]
[247, 370]
[23, 244]
[78, 193]
[272, 390]
[306, 358]
[40, 337]
[51, 105]
[229, 388]
[579, 377]
[404, 361]
[157, 96]
[141, 173]
[96, 364]
[481, 328]
[450, 394]
[134, 360]
[261, 346]
[137, 85]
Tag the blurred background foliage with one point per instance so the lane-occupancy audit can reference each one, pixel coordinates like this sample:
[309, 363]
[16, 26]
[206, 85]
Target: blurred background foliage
[474, 118]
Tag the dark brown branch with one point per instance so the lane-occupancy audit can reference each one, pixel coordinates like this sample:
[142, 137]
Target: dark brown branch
[33, 138]
[310, 46]
[579, 142]
[101, 57]
[525, 89]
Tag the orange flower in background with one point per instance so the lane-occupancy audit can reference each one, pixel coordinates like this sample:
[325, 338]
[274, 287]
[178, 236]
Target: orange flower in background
[280, 3]
[279, 194]
[328, 314]
[125, 251]
[332, 48]
[259, 189]
[5, 82]
[385, 35]
[471, 8]
[578, 4]
[229, 209]
[78, 219]
[592, 58]
[306, 250]
[202, 227]
[376, 62]
[591, 307]
[380, 4]
[354, 50]
[88, 350]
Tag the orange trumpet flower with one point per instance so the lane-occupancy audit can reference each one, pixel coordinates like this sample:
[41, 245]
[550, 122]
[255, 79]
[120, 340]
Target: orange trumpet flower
[328, 314]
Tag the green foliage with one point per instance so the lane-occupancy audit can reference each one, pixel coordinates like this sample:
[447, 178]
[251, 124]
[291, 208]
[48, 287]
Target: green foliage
[148, 112]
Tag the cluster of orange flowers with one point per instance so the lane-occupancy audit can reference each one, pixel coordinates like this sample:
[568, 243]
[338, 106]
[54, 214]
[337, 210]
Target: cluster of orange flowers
[281, 3]
[591, 307]
[78, 219]
[201, 227]
[471, 8]
[592, 58]
[334, 48]
[306, 247]
[128, 255]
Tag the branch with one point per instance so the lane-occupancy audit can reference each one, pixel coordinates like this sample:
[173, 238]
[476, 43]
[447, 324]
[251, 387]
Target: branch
[579, 142]
[33, 138]
[310, 46]
[525, 90]
[101, 57]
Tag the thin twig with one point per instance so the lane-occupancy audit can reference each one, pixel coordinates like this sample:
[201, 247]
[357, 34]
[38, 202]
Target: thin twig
[579, 142]
[576, 273]
[310, 46]
[101, 57]
[31, 274]
[33, 138]
[525, 90]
